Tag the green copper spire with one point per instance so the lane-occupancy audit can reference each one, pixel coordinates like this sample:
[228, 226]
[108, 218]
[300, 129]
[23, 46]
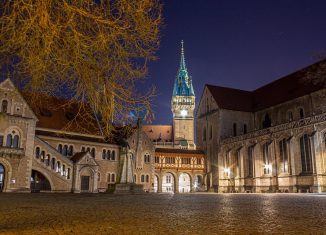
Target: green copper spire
[183, 84]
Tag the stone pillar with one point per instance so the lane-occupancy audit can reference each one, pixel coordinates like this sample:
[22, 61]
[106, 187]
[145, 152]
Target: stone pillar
[176, 185]
[159, 183]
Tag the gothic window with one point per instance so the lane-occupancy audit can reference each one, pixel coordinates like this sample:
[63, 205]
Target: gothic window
[267, 166]
[142, 179]
[204, 134]
[306, 160]
[250, 160]
[234, 129]
[244, 128]
[104, 154]
[113, 155]
[147, 158]
[37, 152]
[267, 121]
[60, 148]
[4, 106]
[283, 156]
[15, 143]
[301, 113]
[9, 141]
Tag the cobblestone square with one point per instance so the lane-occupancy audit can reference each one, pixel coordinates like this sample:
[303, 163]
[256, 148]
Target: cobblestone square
[162, 214]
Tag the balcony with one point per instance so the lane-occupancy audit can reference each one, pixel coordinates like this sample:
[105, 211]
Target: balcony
[6, 151]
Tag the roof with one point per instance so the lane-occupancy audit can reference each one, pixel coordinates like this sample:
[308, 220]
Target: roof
[159, 132]
[58, 114]
[77, 156]
[183, 151]
[282, 90]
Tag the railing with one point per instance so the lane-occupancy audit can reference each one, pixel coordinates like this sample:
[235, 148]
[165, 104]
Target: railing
[11, 151]
[282, 127]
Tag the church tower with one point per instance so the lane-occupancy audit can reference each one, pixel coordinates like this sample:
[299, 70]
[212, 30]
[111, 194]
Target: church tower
[183, 106]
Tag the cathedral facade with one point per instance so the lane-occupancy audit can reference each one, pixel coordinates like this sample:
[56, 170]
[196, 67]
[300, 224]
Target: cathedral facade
[272, 139]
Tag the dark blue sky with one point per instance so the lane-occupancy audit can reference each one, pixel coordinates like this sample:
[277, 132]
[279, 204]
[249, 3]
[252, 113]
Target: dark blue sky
[235, 43]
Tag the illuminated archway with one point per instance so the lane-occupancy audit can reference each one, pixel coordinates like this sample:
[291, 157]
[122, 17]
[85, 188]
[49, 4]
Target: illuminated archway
[184, 183]
[168, 183]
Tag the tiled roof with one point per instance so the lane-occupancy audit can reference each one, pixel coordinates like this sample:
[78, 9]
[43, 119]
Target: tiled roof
[277, 92]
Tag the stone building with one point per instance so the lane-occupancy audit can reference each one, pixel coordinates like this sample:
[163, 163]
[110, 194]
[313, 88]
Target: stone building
[43, 147]
[271, 139]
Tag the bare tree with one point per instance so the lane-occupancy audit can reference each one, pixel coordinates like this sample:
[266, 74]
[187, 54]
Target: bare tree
[91, 51]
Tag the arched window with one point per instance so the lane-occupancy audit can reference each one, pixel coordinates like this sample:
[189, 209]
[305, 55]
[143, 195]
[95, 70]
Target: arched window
[48, 158]
[58, 167]
[104, 154]
[244, 128]
[88, 149]
[83, 149]
[267, 121]
[93, 152]
[37, 152]
[4, 106]
[204, 134]
[9, 141]
[301, 113]
[147, 178]
[60, 148]
[71, 150]
[108, 155]
[112, 177]
[283, 156]
[53, 163]
[234, 129]
[306, 160]
[42, 156]
[65, 150]
[267, 166]
[63, 169]
[147, 158]
[113, 156]
[142, 178]
[16, 142]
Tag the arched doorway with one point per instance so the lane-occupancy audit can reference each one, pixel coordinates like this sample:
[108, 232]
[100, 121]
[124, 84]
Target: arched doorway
[198, 183]
[2, 177]
[168, 183]
[86, 180]
[184, 183]
[156, 183]
[39, 182]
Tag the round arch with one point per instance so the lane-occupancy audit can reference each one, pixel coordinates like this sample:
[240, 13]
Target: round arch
[6, 175]
[86, 179]
[169, 182]
[39, 182]
[184, 183]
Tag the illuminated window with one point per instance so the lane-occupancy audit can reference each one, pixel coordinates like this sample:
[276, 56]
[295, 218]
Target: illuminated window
[267, 166]
[283, 156]
[306, 160]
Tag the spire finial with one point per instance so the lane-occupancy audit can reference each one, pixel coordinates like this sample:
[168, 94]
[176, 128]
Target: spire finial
[182, 50]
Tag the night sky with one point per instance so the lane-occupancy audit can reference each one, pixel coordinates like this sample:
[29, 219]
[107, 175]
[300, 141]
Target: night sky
[239, 44]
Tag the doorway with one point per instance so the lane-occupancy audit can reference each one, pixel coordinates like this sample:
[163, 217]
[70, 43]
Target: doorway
[84, 187]
[2, 177]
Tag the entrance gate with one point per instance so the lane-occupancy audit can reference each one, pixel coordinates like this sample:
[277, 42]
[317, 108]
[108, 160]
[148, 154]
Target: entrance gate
[84, 183]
